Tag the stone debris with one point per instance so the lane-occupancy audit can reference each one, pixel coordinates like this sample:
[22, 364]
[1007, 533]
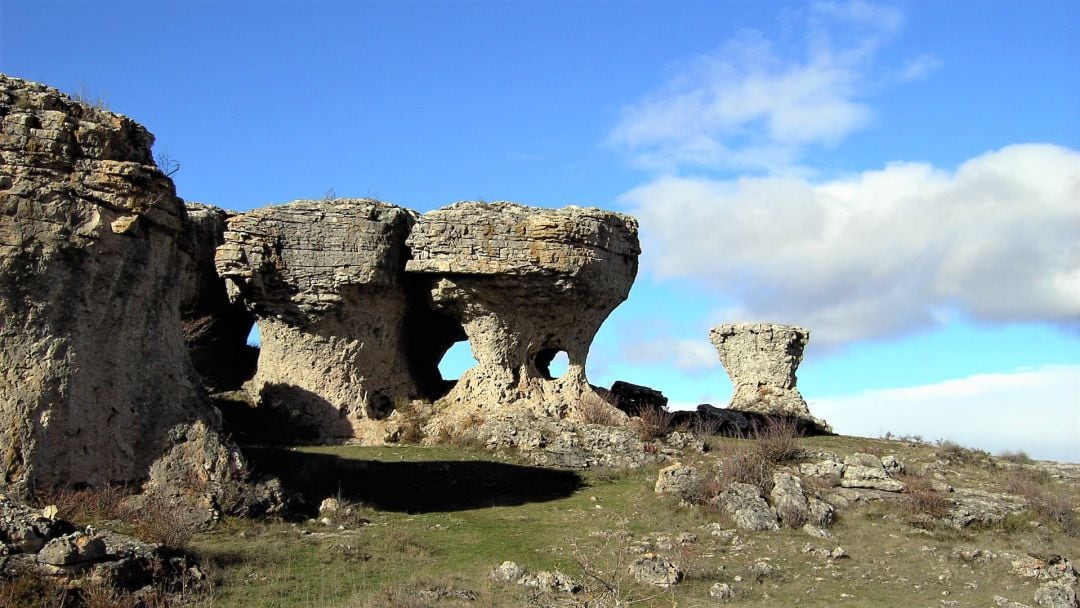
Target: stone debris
[747, 508]
[677, 479]
[655, 570]
[761, 359]
[510, 572]
[722, 592]
[1056, 594]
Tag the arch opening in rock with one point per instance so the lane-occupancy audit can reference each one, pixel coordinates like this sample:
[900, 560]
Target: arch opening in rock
[552, 363]
[457, 360]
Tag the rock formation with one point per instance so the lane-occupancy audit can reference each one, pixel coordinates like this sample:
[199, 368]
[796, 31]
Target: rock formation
[325, 281]
[524, 283]
[215, 329]
[96, 384]
[761, 359]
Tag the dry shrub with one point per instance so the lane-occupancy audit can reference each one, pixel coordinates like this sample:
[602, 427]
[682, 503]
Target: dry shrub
[1015, 456]
[85, 505]
[954, 453]
[705, 427]
[410, 419]
[921, 499]
[1051, 502]
[161, 519]
[653, 423]
[26, 589]
[754, 461]
[594, 409]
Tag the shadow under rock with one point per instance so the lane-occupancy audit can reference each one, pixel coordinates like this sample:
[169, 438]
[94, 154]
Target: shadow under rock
[412, 487]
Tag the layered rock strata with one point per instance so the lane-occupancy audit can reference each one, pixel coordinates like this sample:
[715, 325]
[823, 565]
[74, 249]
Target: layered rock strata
[215, 329]
[761, 359]
[96, 385]
[325, 281]
[525, 284]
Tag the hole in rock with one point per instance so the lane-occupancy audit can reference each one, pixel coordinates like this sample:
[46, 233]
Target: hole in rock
[552, 363]
[253, 339]
[456, 361]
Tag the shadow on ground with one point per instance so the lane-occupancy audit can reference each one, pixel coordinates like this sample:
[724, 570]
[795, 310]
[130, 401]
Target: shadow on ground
[413, 487]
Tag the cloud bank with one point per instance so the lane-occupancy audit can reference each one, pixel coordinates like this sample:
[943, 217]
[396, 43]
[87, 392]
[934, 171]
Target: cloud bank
[883, 252]
[1036, 410]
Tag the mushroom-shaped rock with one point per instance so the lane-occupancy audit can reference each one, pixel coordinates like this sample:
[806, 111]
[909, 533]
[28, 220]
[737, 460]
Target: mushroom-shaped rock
[96, 383]
[761, 359]
[525, 283]
[325, 281]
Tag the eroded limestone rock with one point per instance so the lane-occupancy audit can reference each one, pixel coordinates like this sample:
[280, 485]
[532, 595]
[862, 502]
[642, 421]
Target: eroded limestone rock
[215, 329]
[524, 283]
[761, 359]
[325, 280]
[94, 374]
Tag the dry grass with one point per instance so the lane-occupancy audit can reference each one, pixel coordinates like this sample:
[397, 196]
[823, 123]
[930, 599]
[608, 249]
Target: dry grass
[594, 409]
[1047, 499]
[954, 453]
[152, 517]
[921, 500]
[653, 423]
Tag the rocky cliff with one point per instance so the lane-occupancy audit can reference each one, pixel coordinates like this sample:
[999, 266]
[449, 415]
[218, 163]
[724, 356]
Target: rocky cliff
[96, 384]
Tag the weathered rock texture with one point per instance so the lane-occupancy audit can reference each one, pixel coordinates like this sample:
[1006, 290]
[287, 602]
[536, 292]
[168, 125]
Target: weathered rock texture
[215, 329]
[325, 280]
[95, 380]
[525, 283]
[761, 359]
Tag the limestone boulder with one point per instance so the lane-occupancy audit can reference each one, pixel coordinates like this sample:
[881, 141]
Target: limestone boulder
[524, 284]
[94, 373]
[761, 359]
[325, 281]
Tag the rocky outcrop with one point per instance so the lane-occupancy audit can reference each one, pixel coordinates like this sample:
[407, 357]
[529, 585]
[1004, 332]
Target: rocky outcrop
[325, 281]
[215, 329]
[634, 398]
[761, 360]
[524, 284]
[96, 384]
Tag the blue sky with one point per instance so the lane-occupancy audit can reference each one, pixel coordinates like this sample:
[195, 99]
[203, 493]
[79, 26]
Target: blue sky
[902, 178]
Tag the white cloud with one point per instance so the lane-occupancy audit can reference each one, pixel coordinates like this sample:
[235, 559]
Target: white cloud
[686, 354]
[882, 252]
[920, 67]
[1036, 410]
[757, 104]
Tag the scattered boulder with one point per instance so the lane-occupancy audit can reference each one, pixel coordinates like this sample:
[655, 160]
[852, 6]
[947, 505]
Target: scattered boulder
[761, 359]
[866, 471]
[98, 383]
[677, 479]
[722, 592]
[747, 507]
[978, 507]
[508, 572]
[1056, 594]
[544, 581]
[788, 500]
[634, 398]
[655, 570]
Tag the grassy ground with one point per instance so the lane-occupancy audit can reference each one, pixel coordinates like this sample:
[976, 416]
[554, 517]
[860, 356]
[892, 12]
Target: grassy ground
[427, 525]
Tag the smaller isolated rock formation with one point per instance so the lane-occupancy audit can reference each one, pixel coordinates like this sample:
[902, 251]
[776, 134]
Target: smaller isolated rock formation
[634, 398]
[325, 281]
[525, 284]
[761, 359]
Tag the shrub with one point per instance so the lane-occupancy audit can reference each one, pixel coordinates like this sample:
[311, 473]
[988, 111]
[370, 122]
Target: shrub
[85, 505]
[653, 423]
[754, 461]
[1053, 504]
[954, 453]
[1016, 457]
[921, 499]
[594, 409]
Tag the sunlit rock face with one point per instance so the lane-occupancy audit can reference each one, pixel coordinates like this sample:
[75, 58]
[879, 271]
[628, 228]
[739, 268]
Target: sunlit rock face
[325, 280]
[95, 381]
[761, 359]
[525, 284]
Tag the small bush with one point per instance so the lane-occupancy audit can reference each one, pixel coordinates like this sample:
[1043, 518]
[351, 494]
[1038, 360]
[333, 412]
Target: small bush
[653, 423]
[954, 453]
[1051, 502]
[921, 499]
[160, 519]
[86, 505]
[594, 409]
[778, 441]
[754, 461]
[1016, 457]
